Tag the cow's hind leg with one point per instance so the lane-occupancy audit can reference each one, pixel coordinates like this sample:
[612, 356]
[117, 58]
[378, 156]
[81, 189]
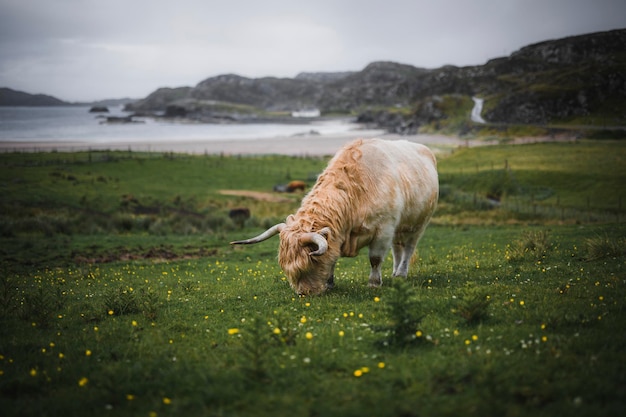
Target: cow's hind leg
[403, 249]
[398, 254]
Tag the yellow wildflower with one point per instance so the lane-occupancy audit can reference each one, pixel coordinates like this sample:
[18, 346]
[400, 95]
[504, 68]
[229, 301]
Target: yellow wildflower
[309, 335]
[82, 382]
[233, 331]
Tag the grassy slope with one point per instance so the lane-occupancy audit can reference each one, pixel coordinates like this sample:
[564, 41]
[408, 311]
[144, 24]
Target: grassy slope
[573, 173]
[223, 334]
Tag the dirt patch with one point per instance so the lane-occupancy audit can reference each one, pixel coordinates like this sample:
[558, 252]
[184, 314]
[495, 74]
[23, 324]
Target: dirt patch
[158, 254]
[257, 195]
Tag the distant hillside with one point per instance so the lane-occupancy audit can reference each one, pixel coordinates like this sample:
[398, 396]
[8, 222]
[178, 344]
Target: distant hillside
[10, 97]
[323, 76]
[575, 79]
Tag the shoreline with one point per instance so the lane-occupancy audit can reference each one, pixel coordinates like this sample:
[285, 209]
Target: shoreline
[298, 145]
[314, 145]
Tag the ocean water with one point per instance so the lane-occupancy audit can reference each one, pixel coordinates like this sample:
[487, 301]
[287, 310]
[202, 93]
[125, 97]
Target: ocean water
[76, 124]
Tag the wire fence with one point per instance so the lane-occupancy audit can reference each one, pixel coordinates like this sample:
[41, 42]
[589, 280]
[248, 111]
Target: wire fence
[563, 213]
[508, 194]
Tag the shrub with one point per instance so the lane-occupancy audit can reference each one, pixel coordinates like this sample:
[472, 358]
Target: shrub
[600, 247]
[120, 301]
[40, 305]
[473, 304]
[535, 244]
[404, 315]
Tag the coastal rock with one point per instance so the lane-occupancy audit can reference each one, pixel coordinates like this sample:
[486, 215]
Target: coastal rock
[174, 110]
[120, 120]
[99, 109]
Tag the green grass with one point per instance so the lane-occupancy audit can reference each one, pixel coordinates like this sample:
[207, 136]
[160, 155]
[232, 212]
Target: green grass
[504, 313]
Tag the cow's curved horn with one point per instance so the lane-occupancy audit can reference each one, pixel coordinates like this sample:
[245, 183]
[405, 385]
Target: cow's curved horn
[319, 239]
[274, 230]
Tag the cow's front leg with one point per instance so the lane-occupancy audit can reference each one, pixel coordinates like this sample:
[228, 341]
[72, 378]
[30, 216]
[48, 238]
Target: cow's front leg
[376, 279]
[378, 249]
[331, 279]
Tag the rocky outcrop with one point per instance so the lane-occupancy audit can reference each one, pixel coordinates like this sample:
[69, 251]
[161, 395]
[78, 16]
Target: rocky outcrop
[272, 94]
[159, 100]
[561, 79]
[392, 122]
[552, 80]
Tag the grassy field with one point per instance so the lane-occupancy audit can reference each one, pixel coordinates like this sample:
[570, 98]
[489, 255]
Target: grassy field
[119, 293]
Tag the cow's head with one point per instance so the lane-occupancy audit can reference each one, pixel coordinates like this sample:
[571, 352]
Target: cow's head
[303, 256]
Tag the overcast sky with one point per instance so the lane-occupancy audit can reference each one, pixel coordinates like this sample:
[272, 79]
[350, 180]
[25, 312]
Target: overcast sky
[82, 50]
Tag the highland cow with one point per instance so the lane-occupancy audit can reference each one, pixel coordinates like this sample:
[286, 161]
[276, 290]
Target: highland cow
[375, 193]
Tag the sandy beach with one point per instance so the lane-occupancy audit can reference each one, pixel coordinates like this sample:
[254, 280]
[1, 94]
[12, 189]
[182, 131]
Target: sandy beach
[293, 145]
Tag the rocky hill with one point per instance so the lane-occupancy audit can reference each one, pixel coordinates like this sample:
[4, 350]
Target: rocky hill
[9, 97]
[558, 80]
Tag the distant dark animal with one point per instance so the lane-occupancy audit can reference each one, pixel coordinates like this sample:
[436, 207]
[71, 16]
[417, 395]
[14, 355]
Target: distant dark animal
[293, 186]
[239, 216]
[280, 188]
[374, 193]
